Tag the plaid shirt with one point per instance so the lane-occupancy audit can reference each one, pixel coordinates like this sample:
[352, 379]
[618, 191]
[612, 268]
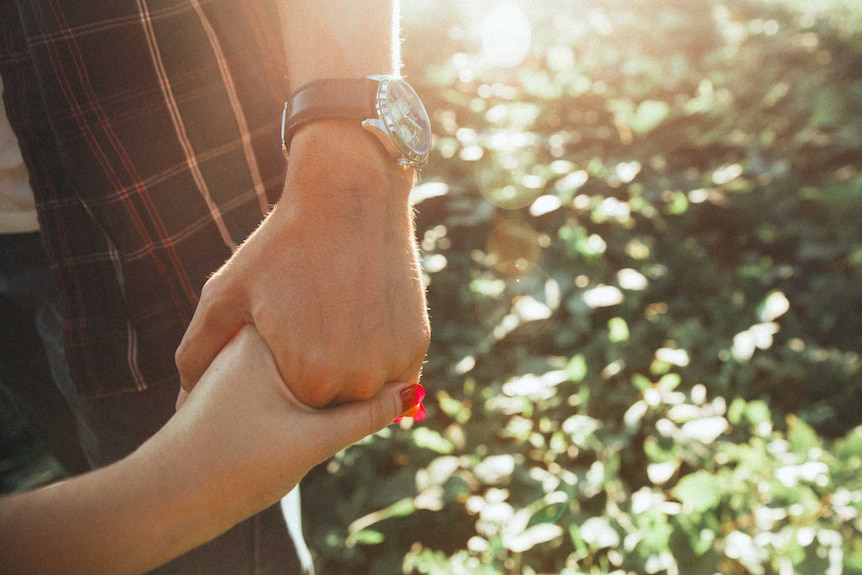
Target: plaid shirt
[151, 132]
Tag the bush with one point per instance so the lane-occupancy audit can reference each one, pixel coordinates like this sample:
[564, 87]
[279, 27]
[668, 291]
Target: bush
[645, 279]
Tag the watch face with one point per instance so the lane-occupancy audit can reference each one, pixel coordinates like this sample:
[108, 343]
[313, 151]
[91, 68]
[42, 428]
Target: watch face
[405, 118]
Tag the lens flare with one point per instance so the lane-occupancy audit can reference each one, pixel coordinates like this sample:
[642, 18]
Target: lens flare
[506, 35]
[512, 245]
[506, 177]
[517, 307]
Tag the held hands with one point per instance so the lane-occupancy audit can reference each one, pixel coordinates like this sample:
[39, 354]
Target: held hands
[239, 442]
[255, 439]
[330, 279]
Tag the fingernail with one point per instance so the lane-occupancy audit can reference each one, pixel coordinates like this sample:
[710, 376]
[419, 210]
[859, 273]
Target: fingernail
[411, 397]
[417, 413]
[421, 414]
[411, 403]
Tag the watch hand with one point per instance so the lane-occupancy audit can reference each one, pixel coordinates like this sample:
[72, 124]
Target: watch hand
[402, 107]
[412, 121]
[410, 137]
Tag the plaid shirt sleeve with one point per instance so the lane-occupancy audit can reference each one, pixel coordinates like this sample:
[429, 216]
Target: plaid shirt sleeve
[151, 131]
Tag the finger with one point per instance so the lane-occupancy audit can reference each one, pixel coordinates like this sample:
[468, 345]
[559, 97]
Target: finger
[213, 325]
[246, 345]
[351, 422]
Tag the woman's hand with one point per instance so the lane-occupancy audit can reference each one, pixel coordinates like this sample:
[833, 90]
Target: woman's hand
[249, 430]
[239, 443]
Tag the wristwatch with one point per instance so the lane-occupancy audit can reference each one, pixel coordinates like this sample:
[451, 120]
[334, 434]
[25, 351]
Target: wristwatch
[386, 106]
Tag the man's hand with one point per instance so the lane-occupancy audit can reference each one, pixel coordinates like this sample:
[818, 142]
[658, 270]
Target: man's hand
[330, 279]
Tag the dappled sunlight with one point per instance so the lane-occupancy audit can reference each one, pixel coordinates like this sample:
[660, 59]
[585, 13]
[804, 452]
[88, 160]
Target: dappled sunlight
[603, 296]
[632, 279]
[639, 231]
[516, 305]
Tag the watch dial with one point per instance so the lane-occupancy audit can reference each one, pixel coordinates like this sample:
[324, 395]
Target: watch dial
[406, 118]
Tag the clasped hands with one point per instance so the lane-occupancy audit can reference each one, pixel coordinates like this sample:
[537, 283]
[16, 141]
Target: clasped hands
[322, 306]
[330, 280]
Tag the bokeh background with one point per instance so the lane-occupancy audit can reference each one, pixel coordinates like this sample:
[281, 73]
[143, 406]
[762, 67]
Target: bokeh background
[641, 230]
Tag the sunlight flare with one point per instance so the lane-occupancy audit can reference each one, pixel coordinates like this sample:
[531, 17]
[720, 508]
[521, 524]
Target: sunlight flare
[506, 35]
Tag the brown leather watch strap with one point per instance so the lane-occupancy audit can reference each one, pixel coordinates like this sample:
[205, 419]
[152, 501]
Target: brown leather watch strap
[351, 99]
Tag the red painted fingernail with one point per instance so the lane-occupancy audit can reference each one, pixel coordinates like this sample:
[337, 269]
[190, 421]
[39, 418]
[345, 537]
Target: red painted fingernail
[411, 397]
[421, 414]
[411, 403]
[417, 413]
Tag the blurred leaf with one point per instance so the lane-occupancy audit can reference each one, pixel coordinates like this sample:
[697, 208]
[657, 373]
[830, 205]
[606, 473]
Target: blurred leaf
[358, 530]
[699, 491]
[427, 438]
[736, 411]
[773, 306]
[802, 436]
[849, 448]
[641, 382]
[757, 412]
[642, 118]
[599, 533]
[365, 537]
[704, 430]
[532, 536]
[581, 429]
[555, 504]
[669, 382]
[618, 330]
[495, 469]
[678, 204]
[455, 409]
[656, 452]
[576, 369]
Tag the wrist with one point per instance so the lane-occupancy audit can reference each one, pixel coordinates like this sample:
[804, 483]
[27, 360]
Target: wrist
[184, 504]
[385, 106]
[340, 160]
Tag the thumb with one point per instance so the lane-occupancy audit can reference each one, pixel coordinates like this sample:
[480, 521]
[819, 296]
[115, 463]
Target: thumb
[350, 422]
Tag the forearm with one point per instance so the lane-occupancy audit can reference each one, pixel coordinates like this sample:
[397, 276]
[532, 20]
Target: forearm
[126, 518]
[340, 39]
[203, 472]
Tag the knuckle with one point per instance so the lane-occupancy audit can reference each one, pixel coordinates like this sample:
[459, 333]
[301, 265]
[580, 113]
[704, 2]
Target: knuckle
[423, 342]
[185, 358]
[213, 292]
[314, 384]
[181, 357]
[366, 386]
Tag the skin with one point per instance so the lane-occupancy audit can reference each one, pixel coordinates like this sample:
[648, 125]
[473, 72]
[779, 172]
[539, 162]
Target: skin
[230, 452]
[329, 282]
[331, 278]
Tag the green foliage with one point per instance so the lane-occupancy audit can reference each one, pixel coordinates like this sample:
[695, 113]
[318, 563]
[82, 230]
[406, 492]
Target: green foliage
[643, 256]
